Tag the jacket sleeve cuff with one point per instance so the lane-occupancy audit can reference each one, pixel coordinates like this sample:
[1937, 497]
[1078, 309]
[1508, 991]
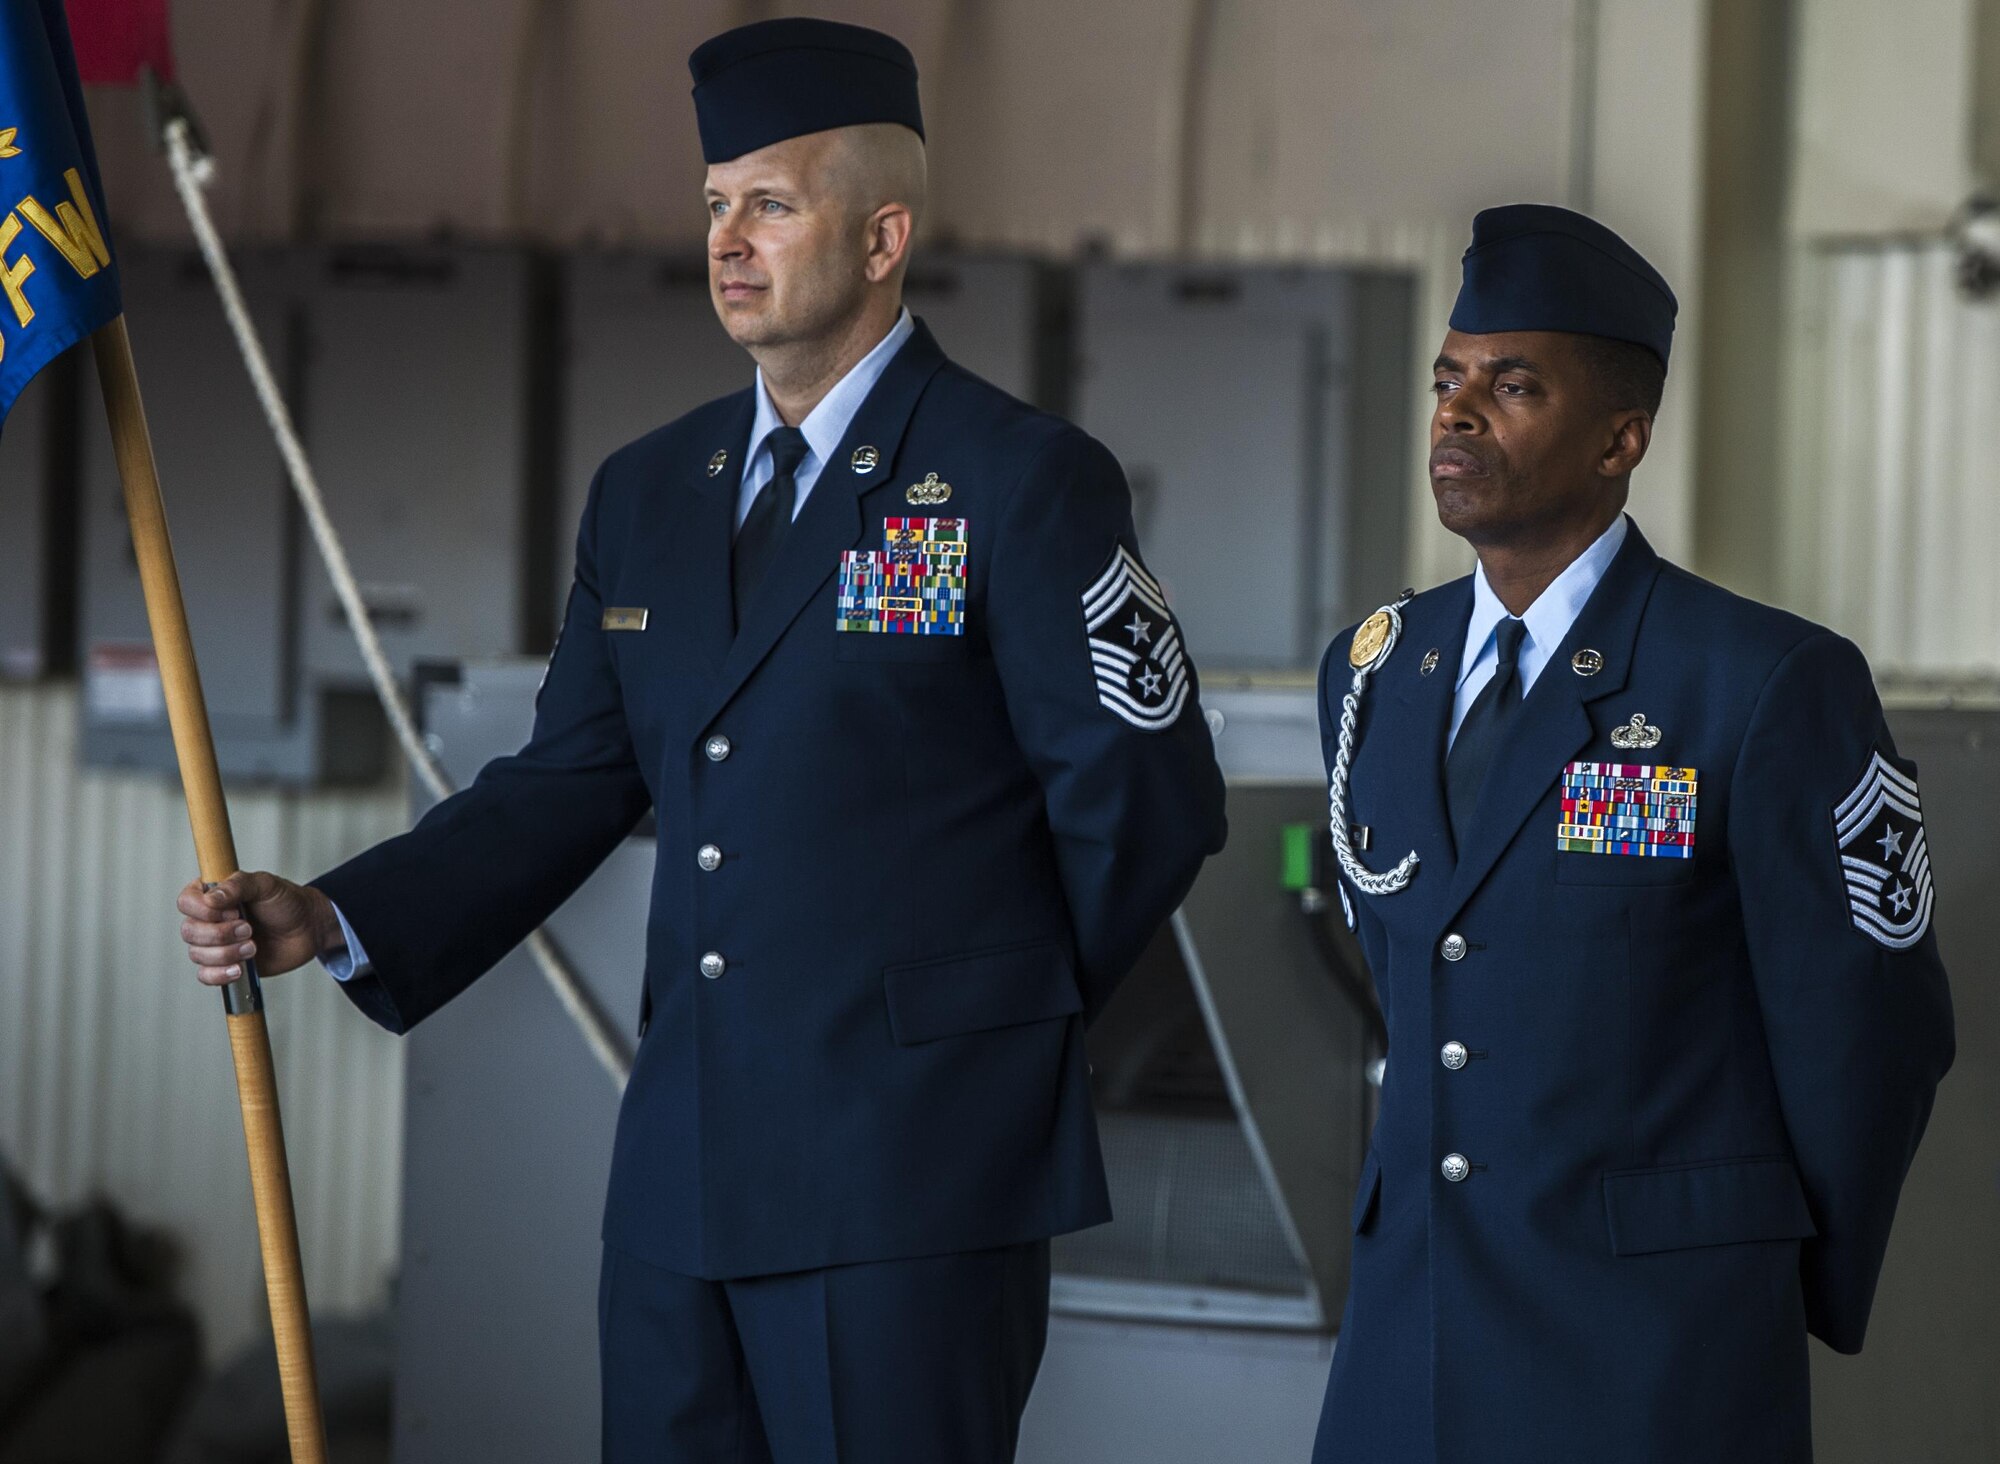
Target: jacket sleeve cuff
[351, 960]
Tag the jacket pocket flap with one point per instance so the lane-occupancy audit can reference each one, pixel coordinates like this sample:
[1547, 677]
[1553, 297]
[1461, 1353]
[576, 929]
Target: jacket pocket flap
[1364, 1194]
[1721, 1203]
[1003, 988]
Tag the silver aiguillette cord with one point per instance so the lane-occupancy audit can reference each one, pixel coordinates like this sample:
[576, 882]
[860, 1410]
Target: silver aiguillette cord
[1372, 644]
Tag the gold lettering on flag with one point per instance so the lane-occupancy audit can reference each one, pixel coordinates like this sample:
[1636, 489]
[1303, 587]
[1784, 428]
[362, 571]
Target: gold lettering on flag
[11, 275]
[73, 229]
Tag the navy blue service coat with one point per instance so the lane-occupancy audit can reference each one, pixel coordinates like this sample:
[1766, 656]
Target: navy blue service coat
[1684, 1091]
[934, 855]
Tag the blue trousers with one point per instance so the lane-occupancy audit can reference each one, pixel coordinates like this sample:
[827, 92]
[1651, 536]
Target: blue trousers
[925, 1361]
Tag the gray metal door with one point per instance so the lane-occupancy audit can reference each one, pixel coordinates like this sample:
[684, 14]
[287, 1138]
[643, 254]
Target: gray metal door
[423, 419]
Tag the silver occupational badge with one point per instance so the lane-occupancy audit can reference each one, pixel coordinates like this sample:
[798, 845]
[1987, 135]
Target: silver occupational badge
[929, 493]
[1635, 734]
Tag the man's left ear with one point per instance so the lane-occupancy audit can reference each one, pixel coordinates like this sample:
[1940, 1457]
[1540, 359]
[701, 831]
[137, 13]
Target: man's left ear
[888, 240]
[1630, 437]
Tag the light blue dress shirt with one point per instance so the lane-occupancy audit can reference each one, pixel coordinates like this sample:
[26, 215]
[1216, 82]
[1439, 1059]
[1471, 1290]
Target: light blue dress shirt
[351, 960]
[824, 427]
[1548, 620]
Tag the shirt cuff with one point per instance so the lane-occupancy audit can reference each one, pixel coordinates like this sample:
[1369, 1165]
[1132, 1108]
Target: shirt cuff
[350, 961]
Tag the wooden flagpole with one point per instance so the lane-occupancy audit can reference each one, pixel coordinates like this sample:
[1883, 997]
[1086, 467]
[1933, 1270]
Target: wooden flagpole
[215, 851]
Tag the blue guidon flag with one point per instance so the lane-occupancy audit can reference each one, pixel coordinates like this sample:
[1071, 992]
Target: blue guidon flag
[57, 280]
[1884, 856]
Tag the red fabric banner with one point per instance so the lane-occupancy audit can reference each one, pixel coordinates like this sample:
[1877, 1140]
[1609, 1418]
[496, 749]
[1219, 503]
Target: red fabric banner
[114, 39]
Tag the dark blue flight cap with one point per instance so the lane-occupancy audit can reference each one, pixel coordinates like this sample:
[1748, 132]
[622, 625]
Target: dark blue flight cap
[762, 83]
[1532, 266]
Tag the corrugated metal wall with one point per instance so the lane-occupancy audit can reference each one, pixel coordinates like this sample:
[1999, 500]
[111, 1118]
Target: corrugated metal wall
[1889, 513]
[115, 1076]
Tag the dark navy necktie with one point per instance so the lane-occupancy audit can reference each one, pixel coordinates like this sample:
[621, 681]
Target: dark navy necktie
[1483, 730]
[763, 528]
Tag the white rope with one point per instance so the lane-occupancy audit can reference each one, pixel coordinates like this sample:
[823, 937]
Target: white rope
[1365, 879]
[192, 174]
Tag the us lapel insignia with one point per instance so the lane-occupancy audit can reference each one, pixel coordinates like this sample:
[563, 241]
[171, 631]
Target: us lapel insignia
[1586, 662]
[913, 585]
[1627, 808]
[864, 460]
[1635, 734]
[1429, 663]
[1884, 857]
[717, 463]
[928, 493]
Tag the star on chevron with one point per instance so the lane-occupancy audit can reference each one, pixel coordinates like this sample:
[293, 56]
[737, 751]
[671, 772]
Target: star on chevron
[7, 148]
[1149, 683]
[1891, 842]
[1139, 630]
[1899, 901]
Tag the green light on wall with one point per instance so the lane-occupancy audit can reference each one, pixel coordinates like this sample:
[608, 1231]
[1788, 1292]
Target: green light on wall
[1296, 855]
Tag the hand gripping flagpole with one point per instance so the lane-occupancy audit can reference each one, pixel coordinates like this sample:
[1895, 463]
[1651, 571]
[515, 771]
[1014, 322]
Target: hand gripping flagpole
[215, 850]
[192, 168]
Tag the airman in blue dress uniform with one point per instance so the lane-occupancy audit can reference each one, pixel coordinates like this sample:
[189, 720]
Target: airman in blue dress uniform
[876, 642]
[1648, 900]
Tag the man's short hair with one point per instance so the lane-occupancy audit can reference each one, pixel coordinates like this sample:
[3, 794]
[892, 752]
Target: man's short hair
[1628, 374]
